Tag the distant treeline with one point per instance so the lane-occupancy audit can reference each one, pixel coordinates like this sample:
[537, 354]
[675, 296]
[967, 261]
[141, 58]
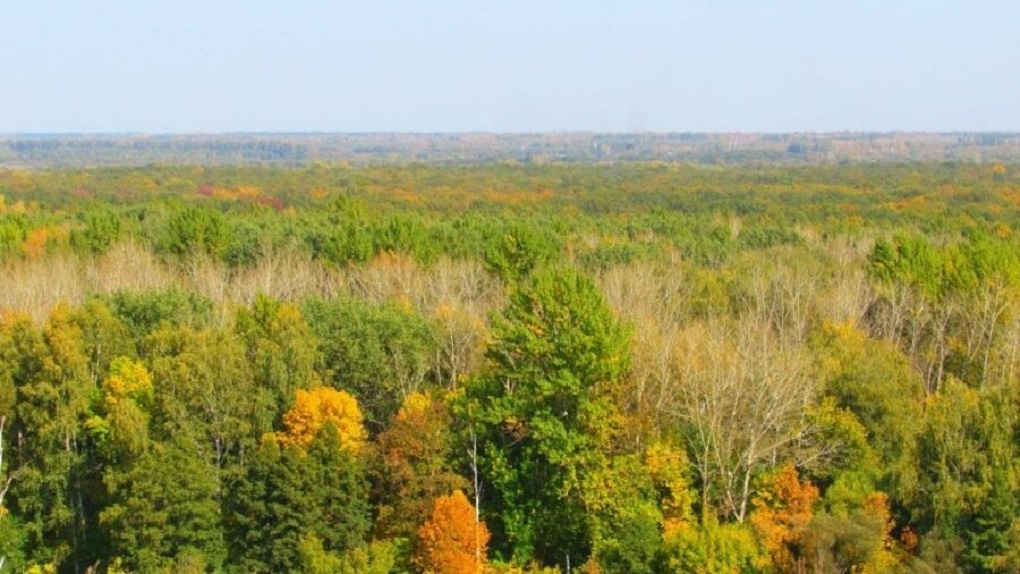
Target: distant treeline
[87, 150]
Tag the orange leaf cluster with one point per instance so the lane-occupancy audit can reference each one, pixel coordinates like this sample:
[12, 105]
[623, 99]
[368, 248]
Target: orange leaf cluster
[783, 511]
[451, 542]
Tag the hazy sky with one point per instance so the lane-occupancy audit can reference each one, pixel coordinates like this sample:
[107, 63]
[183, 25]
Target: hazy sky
[162, 66]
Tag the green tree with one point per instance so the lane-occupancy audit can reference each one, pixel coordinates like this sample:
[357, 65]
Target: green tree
[547, 415]
[281, 349]
[100, 228]
[51, 457]
[203, 391]
[520, 249]
[874, 381]
[285, 495]
[144, 312]
[380, 354]
[11, 535]
[166, 508]
[192, 230]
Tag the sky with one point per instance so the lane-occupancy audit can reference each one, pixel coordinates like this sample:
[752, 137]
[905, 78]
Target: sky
[214, 66]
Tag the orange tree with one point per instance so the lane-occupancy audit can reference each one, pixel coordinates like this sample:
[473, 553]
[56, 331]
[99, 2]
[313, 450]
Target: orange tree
[452, 540]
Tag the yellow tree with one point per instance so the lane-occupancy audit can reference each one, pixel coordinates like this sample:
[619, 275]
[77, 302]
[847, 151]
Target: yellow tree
[452, 541]
[314, 408]
[121, 419]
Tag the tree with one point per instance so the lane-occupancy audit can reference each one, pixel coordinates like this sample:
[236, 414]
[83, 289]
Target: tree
[459, 343]
[100, 229]
[414, 465]
[378, 557]
[379, 354]
[190, 231]
[53, 393]
[203, 391]
[452, 541]
[715, 548]
[318, 407]
[521, 249]
[281, 350]
[783, 510]
[623, 502]
[120, 423]
[164, 509]
[289, 493]
[10, 533]
[147, 311]
[557, 355]
[744, 406]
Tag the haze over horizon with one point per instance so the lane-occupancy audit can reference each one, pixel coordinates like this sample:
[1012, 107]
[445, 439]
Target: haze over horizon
[236, 66]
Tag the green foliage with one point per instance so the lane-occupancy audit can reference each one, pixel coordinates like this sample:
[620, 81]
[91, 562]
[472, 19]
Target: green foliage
[556, 355]
[165, 509]
[191, 230]
[967, 490]
[288, 495]
[410, 235]
[104, 335]
[873, 381]
[101, 228]
[519, 250]
[764, 237]
[12, 234]
[144, 312]
[12, 542]
[716, 549]
[203, 391]
[53, 392]
[379, 354]
[342, 236]
[281, 350]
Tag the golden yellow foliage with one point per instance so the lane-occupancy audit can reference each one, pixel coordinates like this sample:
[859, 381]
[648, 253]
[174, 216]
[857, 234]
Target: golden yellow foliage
[127, 378]
[314, 408]
[882, 559]
[414, 408]
[666, 465]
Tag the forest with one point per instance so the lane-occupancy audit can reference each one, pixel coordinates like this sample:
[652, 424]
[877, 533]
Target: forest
[642, 367]
[368, 149]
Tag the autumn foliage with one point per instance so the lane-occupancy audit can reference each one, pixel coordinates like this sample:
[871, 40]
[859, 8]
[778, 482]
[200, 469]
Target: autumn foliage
[451, 541]
[783, 511]
[316, 407]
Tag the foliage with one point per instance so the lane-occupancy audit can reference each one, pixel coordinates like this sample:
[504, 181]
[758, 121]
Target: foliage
[315, 408]
[414, 466]
[782, 512]
[452, 541]
[164, 509]
[557, 354]
[261, 369]
[288, 495]
[377, 353]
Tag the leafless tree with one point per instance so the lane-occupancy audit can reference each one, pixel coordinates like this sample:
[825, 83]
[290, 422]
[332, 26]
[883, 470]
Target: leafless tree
[745, 399]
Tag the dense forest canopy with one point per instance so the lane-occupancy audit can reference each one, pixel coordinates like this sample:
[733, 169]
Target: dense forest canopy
[618, 367]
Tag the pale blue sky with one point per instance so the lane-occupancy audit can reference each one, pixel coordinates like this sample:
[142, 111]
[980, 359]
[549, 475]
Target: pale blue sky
[161, 66]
